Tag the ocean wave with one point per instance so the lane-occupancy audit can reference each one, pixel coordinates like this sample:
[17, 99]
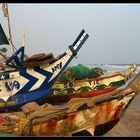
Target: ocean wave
[112, 67]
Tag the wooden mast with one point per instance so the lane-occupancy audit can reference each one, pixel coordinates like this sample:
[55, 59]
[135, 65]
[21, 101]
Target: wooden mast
[6, 14]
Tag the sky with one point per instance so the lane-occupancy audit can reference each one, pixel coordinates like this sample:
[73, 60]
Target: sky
[114, 30]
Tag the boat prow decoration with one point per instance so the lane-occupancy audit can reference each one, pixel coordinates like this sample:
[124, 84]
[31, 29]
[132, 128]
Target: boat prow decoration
[24, 84]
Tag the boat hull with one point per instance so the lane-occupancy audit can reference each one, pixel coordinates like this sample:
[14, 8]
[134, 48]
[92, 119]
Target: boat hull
[66, 98]
[97, 120]
[95, 115]
[61, 92]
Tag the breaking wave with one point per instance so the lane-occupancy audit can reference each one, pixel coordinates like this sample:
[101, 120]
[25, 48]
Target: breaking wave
[114, 67]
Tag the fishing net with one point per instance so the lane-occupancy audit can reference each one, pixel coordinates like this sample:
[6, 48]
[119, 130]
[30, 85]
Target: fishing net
[80, 72]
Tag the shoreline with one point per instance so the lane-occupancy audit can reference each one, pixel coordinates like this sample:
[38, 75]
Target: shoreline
[129, 124]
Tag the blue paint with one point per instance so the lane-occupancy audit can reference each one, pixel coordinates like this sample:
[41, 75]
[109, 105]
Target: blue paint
[54, 60]
[72, 50]
[4, 76]
[10, 86]
[28, 86]
[82, 107]
[17, 58]
[24, 96]
[58, 66]
[79, 36]
[45, 85]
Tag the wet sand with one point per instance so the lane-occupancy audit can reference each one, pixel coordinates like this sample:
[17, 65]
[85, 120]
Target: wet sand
[129, 124]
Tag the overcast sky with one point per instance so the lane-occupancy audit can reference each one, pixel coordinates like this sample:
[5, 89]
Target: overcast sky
[114, 30]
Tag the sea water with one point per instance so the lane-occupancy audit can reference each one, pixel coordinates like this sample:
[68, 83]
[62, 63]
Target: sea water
[116, 67]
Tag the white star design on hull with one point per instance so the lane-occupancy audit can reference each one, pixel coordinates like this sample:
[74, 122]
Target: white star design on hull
[2, 77]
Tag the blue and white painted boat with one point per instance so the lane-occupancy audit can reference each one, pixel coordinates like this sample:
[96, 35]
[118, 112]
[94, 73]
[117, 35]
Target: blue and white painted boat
[23, 85]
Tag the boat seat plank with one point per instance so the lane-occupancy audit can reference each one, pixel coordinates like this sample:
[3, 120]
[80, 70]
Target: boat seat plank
[38, 59]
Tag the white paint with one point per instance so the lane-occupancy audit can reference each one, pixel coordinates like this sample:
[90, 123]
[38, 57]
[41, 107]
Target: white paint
[4, 94]
[63, 60]
[79, 41]
[41, 78]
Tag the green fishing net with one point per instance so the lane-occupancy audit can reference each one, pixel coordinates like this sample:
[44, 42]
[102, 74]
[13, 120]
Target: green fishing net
[80, 72]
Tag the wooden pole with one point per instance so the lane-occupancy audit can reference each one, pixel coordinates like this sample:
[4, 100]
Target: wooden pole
[6, 14]
[3, 56]
[10, 34]
[23, 39]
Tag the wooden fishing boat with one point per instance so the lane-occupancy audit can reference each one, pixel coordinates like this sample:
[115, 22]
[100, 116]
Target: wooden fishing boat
[30, 79]
[27, 81]
[63, 91]
[95, 115]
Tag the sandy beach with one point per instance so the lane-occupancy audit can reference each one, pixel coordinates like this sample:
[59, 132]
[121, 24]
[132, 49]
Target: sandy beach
[129, 124]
